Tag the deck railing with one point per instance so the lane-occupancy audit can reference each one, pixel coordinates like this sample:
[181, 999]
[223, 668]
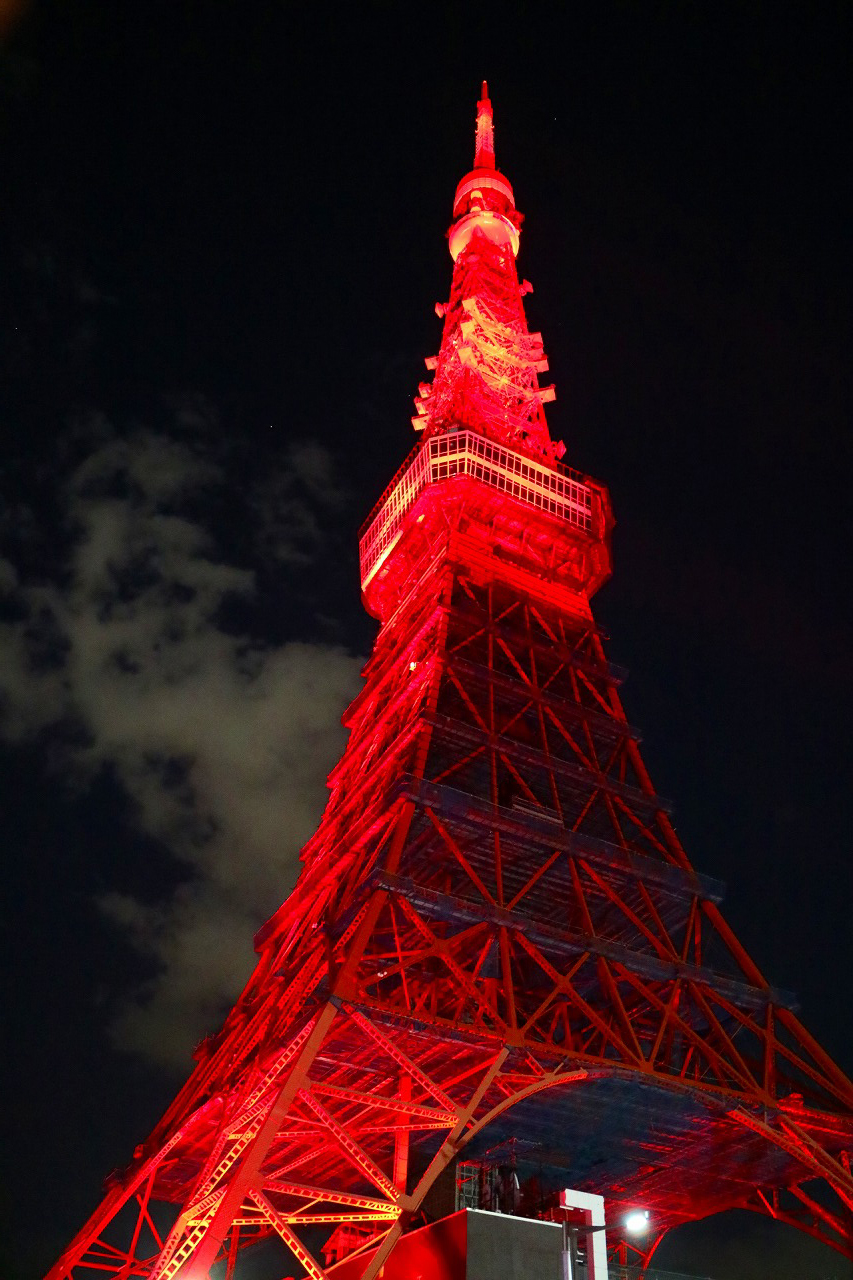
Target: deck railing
[550, 488]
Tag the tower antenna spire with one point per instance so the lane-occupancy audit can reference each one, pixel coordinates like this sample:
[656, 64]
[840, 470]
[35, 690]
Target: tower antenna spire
[484, 147]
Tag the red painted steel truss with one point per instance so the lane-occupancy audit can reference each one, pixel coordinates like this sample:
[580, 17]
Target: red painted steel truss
[487, 377]
[496, 929]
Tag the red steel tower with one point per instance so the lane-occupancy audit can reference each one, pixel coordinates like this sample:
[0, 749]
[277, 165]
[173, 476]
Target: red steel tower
[496, 932]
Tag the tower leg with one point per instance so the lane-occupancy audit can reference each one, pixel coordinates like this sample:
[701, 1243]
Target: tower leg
[207, 1248]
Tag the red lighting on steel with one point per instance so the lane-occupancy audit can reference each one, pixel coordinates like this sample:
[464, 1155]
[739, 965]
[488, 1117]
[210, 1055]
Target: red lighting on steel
[484, 149]
[495, 911]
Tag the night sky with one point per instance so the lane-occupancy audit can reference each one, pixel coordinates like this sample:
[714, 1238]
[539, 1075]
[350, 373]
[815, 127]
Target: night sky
[222, 239]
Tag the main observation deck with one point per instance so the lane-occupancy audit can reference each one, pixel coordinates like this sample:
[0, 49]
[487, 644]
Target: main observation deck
[549, 488]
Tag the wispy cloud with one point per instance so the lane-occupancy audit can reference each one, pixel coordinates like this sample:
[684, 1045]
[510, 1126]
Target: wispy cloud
[121, 658]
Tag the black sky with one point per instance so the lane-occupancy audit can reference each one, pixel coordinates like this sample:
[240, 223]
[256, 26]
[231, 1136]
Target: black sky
[241, 208]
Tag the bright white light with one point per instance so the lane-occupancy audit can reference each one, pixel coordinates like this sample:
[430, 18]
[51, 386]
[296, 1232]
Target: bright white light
[637, 1222]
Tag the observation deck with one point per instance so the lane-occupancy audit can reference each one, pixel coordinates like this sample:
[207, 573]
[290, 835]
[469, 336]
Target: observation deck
[550, 489]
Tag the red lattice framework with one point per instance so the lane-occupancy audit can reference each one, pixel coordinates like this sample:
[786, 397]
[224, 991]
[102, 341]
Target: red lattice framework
[496, 929]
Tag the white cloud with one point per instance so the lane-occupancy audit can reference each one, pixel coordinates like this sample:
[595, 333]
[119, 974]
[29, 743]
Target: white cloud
[8, 577]
[221, 744]
[288, 506]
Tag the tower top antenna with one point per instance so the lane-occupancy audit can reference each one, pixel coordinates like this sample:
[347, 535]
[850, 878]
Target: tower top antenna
[484, 146]
[484, 198]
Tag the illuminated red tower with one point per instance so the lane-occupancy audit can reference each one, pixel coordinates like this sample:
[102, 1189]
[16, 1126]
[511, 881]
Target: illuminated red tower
[496, 933]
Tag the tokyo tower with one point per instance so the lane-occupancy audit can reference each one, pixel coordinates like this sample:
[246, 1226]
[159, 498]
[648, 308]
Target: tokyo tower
[496, 938]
